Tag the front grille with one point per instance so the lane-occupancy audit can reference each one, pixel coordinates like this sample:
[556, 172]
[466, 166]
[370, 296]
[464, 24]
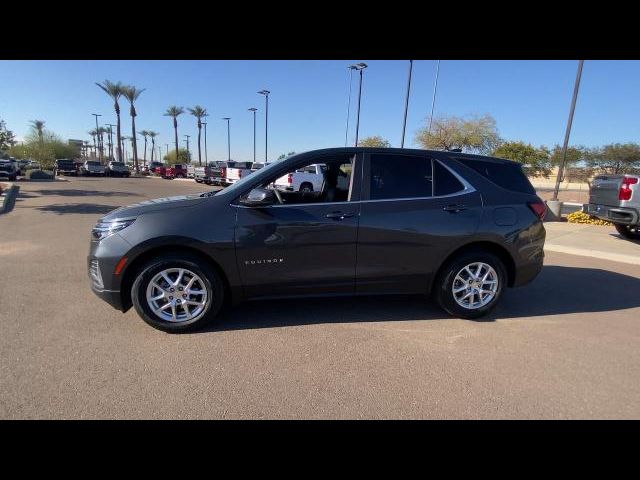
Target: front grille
[95, 274]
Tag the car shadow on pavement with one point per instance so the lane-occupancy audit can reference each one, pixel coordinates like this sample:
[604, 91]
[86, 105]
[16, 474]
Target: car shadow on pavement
[557, 290]
[85, 193]
[64, 208]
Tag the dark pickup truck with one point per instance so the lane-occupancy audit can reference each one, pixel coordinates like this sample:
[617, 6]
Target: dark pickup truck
[64, 166]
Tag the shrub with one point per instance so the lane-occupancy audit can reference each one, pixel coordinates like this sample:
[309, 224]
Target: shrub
[581, 217]
[39, 175]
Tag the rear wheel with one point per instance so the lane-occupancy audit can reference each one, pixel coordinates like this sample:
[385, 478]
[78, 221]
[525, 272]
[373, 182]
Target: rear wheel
[470, 285]
[176, 293]
[632, 232]
[306, 187]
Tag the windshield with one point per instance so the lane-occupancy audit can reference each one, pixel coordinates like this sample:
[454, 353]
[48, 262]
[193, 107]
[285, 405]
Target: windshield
[240, 184]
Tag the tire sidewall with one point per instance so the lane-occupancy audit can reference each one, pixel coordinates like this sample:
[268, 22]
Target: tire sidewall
[444, 294]
[211, 279]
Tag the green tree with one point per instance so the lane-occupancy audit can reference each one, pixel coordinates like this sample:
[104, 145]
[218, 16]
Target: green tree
[174, 112]
[115, 91]
[615, 158]
[199, 112]
[38, 125]
[535, 161]
[475, 134]
[94, 134]
[132, 93]
[285, 155]
[7, 137]
[182, 157]
[574, 156]
[375, 141]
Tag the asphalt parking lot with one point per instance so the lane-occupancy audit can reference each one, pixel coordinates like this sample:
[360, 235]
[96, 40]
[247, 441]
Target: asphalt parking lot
[567, 346]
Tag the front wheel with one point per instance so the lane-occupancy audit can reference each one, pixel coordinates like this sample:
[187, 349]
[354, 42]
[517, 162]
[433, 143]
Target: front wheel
[631, 232]
[470, 285]
[177, 293]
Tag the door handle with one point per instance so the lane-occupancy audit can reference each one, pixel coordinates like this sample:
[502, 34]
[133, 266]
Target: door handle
[454, 208]
[339, 215]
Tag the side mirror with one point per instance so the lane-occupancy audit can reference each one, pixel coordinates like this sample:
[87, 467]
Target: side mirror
[259, 197]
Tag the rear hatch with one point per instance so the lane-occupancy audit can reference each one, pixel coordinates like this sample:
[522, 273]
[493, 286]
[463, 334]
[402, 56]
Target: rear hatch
[66, 165]
[604, 190]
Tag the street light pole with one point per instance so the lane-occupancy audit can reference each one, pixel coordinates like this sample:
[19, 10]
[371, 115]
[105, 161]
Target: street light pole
[266, 123]
[406, 103]
[346, 130]
[433, 101]
[98, 135]
[254, 110]
[360, 67]
[568, 130]
[167, 145]
[206, 156]
[228, 137]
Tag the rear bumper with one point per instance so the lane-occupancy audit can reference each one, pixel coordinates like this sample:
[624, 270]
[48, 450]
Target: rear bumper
[526, 273]
[623, 215]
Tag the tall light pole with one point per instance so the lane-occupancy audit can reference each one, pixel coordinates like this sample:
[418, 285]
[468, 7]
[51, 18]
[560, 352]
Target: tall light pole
[346, 130]
[98, 135]
[406, 103]
[568, 131]
[266, 123]
[206, 156]
[254, 110]
[167, 145]
[188, 153]
[159, 153]
[433, 100]
[228, 138]
[359, 67]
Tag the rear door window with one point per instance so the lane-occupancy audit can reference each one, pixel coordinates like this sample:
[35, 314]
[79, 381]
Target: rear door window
[445, 183]
[400, 176]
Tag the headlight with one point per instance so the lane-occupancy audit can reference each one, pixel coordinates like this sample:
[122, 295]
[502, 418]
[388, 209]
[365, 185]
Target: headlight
[106, 229]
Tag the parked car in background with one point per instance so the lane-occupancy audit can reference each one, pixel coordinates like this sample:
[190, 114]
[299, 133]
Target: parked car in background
[235, 171]
[34, 165]
[204, 174]
[257, 166]
[91, 167]
[191, 170]
[24, 165]
[117, 169]
[306, 179]
[161, 170]
[8, 169]
[151, 167]
[16, 164]
[178, 170]
[616, 198]
[460, 227]
[65, 166]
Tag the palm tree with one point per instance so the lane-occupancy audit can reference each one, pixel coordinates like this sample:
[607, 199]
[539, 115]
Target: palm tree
[39, 126]
[101, 131]
[199, 113]
[132, 93]
[174, 111]
[94, 134]
[153, 136]
[114, 90]
[145, 134]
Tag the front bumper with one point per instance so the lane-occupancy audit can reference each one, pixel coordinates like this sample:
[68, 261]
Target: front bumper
[623, 215]
[112, 297]
[101, 263]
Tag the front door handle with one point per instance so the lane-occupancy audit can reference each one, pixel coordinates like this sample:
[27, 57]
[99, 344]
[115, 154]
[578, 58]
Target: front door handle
[339, 215]
[454, 208]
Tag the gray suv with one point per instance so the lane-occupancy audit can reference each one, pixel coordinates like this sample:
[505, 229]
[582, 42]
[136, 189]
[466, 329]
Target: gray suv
[459, 227]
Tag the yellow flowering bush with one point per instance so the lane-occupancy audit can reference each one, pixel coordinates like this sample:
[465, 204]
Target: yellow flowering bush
[581, 217]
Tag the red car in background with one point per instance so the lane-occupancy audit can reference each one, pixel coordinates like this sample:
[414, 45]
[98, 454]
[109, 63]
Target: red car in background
[175, 171]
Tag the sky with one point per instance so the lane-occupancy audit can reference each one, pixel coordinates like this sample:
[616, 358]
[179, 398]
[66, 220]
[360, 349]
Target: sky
[308, 102]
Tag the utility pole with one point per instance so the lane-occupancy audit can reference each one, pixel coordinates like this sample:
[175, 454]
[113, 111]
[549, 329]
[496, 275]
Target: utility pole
[188, 153]
[406, 104]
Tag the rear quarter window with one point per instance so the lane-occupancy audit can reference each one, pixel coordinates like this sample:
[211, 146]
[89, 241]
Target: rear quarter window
[509, 176]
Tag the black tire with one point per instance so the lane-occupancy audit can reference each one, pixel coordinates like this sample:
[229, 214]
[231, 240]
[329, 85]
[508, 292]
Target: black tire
[630, 232]
[443, 286]
[213, 284]
[306, 187]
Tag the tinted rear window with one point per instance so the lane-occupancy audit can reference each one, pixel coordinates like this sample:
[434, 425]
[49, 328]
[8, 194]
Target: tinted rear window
[400, 176]
[508, 176]
[445, 182]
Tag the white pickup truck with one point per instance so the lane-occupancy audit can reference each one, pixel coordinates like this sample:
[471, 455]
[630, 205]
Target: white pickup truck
[307, 179]
[235, 171]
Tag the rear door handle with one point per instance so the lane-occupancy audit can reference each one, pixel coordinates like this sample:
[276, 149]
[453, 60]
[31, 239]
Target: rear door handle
[339, 215]
[454, 208]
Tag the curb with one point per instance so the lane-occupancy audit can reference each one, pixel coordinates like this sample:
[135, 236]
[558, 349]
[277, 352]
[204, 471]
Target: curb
[584, 252]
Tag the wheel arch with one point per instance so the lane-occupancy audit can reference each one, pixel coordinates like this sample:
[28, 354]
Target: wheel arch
[487, 246]
[130, 272]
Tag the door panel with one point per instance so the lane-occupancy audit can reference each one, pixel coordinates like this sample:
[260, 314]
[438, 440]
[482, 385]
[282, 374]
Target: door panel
[297, 250]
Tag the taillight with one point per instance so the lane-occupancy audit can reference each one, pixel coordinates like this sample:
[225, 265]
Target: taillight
[223, 172]
[625, 189]
[290, 178]
[239, 173]
[539, 208]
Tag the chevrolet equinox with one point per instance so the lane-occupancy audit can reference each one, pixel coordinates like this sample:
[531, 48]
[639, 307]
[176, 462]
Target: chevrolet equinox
[459, 227]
